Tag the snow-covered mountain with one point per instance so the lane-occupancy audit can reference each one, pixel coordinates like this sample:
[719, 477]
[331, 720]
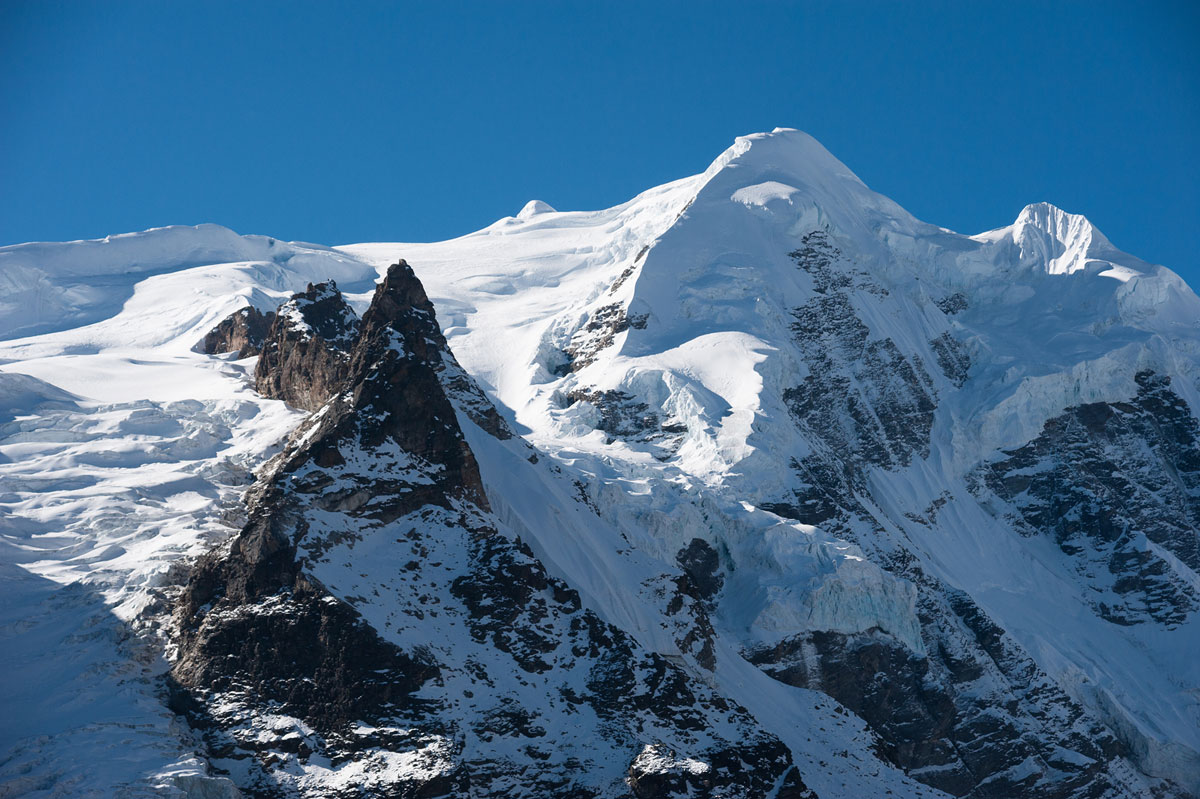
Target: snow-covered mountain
[754, 485]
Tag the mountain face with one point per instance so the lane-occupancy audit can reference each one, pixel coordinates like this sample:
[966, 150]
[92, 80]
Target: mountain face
[752, 486]
[474, 672]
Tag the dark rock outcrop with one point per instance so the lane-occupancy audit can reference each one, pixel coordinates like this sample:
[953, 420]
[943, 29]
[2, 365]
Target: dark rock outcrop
[306, 355]
[620, 415]
[1110, 482]
[952, 304]
[602, 327]
[243, 332]
[702, 565]
[658, 772]
[972, 716]
[952, 358]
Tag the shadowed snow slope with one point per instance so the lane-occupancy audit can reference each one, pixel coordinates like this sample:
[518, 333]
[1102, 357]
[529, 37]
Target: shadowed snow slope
[922, 506]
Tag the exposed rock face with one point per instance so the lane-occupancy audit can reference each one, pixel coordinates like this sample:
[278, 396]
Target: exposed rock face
[863, 402]
[888, 420]
[604, 324]
[620, 415]
[1110, 483]
[306, 355]
[370, 615]
[972, 716]
[243, 332]
[701, 563]
[256, 629]
[953, 304]
[953, 358]
[659, 773]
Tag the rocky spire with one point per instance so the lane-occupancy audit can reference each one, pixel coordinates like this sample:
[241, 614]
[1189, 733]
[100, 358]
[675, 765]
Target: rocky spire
[306, 354]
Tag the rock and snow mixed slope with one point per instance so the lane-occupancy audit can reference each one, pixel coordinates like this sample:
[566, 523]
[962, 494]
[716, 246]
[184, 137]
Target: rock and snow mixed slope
[895, 509]
[470, 670]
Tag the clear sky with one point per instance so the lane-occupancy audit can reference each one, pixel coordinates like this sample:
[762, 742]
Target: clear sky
[360, 121]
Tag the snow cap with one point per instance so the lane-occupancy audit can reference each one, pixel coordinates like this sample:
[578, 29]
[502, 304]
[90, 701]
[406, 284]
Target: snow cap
[533, 208]
[1065, 242]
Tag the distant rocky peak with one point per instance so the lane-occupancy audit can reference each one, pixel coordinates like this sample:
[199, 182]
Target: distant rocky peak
[314, 346]
[389, 391]
[401, 320]
[306, 356]
[400, 315]
[321, 310]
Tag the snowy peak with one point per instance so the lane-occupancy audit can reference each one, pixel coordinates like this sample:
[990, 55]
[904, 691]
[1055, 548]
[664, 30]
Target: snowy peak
[1107, 285]
[533, 208]
[1056, 242]
[788, 151]
[1064, 242]
[789, 173]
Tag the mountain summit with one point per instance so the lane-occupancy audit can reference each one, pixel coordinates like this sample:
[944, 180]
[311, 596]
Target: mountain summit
[752, 486]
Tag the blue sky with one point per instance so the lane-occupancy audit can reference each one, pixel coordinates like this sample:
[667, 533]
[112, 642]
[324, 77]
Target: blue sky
[369, 121]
